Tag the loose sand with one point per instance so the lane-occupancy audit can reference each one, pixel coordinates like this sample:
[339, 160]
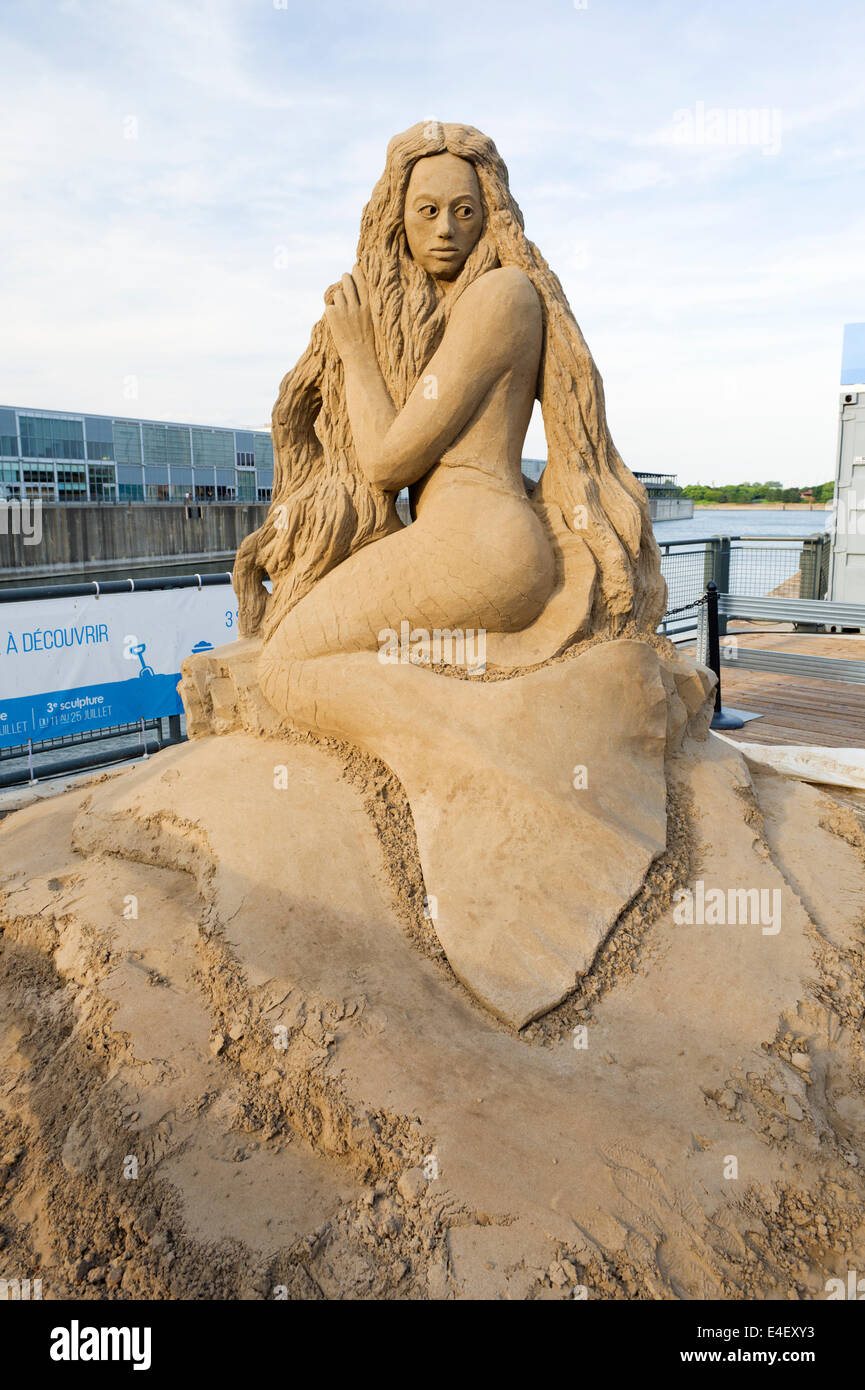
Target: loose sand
[314, 1107]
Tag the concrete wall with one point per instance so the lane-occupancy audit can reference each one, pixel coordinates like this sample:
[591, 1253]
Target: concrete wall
[671, 508]
[84, 541]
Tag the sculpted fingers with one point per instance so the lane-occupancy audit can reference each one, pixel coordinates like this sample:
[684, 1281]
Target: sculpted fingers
[350, 291]
[334, 313]
[347, 314]
[362, 289]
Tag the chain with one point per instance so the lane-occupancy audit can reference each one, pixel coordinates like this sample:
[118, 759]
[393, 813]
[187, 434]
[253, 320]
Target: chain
[695, 603]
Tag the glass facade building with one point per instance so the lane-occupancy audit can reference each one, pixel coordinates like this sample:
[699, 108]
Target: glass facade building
[63, 457]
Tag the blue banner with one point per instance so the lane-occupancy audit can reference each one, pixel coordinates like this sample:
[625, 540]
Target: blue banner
[72, 665]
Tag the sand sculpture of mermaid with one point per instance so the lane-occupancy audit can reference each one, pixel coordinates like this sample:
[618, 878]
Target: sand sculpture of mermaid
[422, 374]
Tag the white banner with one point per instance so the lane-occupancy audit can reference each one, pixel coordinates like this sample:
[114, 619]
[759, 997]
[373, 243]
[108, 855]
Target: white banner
[70, 664]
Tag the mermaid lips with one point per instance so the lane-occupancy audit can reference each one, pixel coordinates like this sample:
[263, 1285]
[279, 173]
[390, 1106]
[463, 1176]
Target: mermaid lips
[446, 256]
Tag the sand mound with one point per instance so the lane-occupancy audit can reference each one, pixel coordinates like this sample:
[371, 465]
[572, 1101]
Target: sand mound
[218, 1082]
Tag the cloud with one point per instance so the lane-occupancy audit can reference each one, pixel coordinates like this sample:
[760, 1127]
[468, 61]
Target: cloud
[181, 181]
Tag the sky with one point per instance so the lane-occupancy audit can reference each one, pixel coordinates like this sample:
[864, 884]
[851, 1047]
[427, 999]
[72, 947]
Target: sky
[180, 182]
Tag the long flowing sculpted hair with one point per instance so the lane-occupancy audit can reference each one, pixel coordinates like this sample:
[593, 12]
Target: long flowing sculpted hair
[323, 508]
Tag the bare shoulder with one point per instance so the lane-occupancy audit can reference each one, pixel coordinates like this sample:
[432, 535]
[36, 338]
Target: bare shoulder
[506, 293]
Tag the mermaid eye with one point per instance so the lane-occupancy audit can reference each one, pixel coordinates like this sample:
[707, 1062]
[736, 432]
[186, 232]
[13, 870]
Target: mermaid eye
[428, 210]
[465, 212]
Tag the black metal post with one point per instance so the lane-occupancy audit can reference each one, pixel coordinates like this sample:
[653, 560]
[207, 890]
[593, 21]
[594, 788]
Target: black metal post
[721, 719]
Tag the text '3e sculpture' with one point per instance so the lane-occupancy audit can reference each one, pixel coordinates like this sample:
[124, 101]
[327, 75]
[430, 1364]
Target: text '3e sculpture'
[498, 654]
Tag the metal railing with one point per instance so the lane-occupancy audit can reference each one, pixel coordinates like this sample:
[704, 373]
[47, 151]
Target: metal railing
[63, 755]
[802, 612]
[808, 615]
[714, 653]
[788, 566]
[28, 592]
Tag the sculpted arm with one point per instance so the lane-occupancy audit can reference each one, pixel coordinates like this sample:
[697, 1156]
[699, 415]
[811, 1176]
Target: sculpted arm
[495, 328]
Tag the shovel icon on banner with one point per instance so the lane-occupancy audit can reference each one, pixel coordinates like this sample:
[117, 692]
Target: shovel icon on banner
[139, 651]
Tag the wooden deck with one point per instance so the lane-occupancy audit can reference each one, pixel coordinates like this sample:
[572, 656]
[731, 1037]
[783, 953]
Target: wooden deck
[795, 709]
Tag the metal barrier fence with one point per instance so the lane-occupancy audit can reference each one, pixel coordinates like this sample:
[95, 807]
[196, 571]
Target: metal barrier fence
[789, 566]
[792, 566]
[92, 748]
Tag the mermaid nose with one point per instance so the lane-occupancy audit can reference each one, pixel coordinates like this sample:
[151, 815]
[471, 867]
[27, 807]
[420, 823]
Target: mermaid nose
[445, 227]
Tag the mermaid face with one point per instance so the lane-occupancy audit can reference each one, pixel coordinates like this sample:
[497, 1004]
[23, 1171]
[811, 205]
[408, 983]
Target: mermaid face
[443, 214]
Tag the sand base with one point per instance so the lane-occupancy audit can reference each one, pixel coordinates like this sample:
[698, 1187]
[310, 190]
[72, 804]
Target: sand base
[315, 1105]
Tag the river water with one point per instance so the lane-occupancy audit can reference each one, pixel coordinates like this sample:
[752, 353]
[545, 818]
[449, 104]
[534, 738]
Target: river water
[732, 521]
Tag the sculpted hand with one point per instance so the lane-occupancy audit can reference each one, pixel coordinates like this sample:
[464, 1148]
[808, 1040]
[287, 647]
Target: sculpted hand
[348, 316]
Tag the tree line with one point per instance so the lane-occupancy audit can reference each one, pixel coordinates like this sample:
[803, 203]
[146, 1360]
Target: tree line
[759, 492]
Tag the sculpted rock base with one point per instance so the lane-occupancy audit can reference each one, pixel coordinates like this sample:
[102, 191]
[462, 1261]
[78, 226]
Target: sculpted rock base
[538, 802]
[316, 1106]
